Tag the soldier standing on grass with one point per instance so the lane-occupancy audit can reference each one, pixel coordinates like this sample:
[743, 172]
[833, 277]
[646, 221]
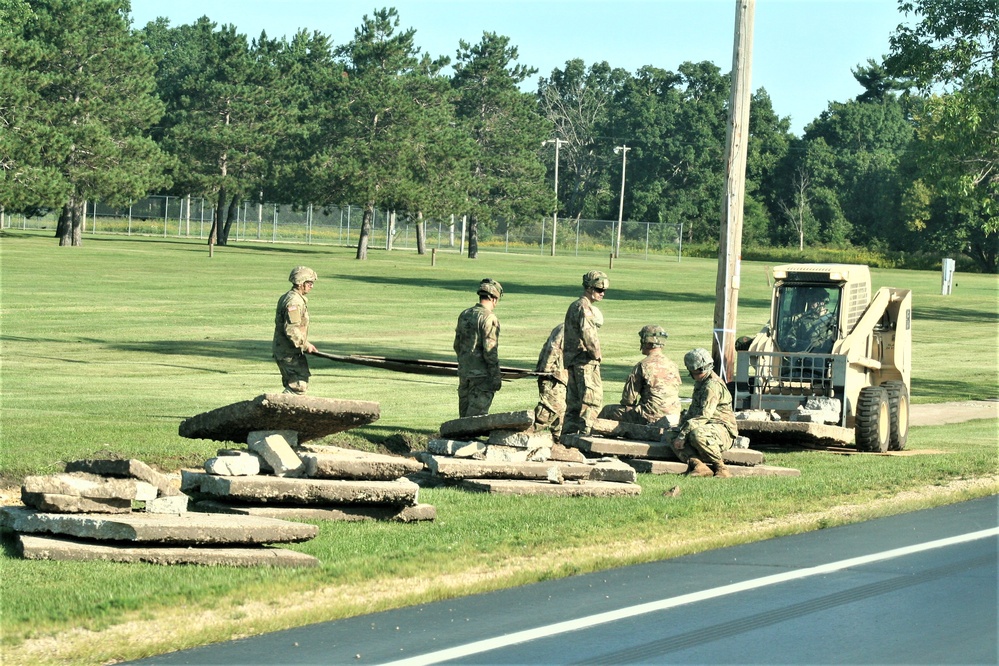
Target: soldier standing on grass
[476, 342]
[291, 332]
[550, 411]
[651, 393]
[708, 427]
[581, 356]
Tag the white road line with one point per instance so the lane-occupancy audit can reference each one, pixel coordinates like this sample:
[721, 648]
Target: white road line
[663, 604]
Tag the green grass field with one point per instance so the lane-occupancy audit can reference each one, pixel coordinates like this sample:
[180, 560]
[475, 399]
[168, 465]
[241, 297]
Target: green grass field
[107, 347]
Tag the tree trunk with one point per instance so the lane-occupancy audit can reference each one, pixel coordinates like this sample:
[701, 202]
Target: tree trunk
[362, 241]
[421, 234]
[64, 228]
[213, 236]
[71, 231]
[229, 217]
[473, 238]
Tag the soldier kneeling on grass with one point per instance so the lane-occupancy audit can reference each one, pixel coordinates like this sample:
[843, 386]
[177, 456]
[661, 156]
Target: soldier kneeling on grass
[708, 428]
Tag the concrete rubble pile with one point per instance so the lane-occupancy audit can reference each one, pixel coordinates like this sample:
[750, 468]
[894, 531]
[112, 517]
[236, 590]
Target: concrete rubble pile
[281, 475]
[648, 449]
[124, 511]
[514, 459]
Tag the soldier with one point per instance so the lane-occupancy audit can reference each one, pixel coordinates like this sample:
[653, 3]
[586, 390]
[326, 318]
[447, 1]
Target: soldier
[581, 356]
[476, 342]
[651, 393]
[707, 428]
[812, 330]
[291, 331]
[550, 410]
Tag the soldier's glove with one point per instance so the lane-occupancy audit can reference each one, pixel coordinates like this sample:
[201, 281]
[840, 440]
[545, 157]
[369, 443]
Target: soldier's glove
[497, 384]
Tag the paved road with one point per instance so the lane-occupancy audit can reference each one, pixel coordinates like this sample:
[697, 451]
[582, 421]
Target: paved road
[919, 588]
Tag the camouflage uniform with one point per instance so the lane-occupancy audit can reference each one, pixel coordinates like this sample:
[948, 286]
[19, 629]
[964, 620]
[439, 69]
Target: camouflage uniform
[476, 342]
[651, 392]
[291, 339]
[810, 331]
[581, 359]
[550, 410]
[708, 426]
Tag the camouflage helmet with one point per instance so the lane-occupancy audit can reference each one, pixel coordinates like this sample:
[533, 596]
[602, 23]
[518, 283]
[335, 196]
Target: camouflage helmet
[698, 360]
[596, 280]
[490, 287]
[816, 294]
[653, 335]
[301, 274]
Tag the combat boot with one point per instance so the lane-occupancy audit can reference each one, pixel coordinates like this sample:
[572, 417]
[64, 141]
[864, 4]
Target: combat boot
[721, 471]
[697, 468]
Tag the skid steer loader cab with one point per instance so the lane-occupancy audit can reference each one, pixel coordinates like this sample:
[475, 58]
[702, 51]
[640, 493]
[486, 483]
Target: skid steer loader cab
[832, 364]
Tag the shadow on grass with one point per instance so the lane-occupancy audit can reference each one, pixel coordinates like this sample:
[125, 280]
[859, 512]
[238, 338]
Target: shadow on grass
[938, 390]
[957, 316]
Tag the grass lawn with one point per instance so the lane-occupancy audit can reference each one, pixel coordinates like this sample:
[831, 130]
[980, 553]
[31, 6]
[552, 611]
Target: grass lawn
[106, 348]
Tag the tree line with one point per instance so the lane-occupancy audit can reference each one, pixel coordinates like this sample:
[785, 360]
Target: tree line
[91, 108]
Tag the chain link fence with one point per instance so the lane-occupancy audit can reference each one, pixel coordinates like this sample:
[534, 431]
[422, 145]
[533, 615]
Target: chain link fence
[191, 217]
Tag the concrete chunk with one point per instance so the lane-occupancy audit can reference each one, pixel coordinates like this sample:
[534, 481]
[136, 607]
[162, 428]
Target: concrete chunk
[239, 464]
[337, 463]
[275, 447]
[521, 439]
[567, 489]
[473, 426]
[669, 467]
[654, 450]
[48, 548]
[310, 417]
[90, 486]
[456, 468]
[796, 433]
[310, 491]
[505, 454]
[612, 469]
[53, 503]
[126, 469]
[565, 454]
[329, 512]
[186, 528]
[634, 431]
[173, 504]
[457, 448]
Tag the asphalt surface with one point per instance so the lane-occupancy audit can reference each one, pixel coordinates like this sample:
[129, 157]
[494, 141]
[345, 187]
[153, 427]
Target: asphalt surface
[919, 588]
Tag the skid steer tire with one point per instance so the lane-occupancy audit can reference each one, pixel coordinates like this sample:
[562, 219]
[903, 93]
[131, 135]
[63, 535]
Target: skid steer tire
[873, 429]
[898, 410]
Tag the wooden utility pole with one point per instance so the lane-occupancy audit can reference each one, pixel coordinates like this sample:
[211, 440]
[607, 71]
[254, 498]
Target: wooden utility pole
[730, 240]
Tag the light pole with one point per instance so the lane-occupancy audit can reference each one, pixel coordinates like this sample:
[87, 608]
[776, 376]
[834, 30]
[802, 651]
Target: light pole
[620, 211]
[558, 143]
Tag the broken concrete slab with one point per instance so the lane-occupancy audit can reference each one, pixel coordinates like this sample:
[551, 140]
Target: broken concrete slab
[473, 426]
[266, 489]
[235, 463]
[275, 447]
[54, 503]
[338, 513]
[457, 448]
[567, 489]
[310, 417]
[669, 467]
[90, 486]
[505, 454]
[48, 548]
[171, 504]
[337, 463]
[795, 433]
[126, 469]
[523, 439]
[185, 528]
[621, 430]
[457, 468]
[637, 449]
[612, 469]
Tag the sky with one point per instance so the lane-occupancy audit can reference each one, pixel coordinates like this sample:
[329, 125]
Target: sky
[803, 50]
